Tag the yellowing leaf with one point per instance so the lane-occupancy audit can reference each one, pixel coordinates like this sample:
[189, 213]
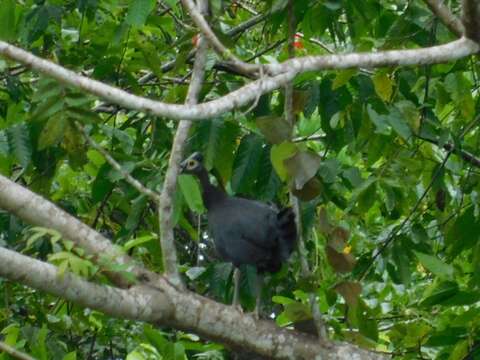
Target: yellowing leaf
[278, 154]
[342, 78]
[383, 86]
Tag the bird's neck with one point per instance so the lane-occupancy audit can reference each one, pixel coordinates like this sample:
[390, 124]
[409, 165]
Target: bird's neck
[210, 193]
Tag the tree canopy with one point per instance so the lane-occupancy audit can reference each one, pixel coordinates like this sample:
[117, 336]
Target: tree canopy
[360, 115]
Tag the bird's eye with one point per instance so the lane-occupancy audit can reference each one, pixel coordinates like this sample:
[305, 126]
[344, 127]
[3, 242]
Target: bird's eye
[191, 164]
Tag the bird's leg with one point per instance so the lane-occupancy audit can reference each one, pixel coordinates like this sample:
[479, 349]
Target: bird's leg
[236, 291]
[258, 302]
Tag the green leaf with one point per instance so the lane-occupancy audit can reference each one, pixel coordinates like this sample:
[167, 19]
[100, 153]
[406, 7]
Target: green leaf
[52, 132]
[343, 77]
[459, 88]
[138, 12]
[399, 125]
[439, 292]
[278, 154]
[70, 356]
[458, 239]
[276, 129]
[4, 147]
[7, 20]
[297, 311]
[460, 351]
[246, 164]
[435, 265]
[19, 139]
[191, 193]
[383, 86]
[136, 211]
[101, 185]
[380, 121]
[130, 244]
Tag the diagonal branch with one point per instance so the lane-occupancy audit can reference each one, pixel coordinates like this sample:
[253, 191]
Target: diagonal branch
[13, 352]
[445, 15]
[205, 29]
[126, 175]
[135, 304]
[286, 72]
[34, 209]
[232, 32]
[166, 199]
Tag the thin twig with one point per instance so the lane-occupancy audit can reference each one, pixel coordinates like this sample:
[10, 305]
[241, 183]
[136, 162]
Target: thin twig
[396, 230]
[125, 174]
[202, 24]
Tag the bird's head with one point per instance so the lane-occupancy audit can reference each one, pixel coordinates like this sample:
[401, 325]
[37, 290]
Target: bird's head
[193, 164]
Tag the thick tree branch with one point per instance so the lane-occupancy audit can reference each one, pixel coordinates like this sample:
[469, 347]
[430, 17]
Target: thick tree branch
[471, 19]
[34, 209]
[190, 311]
[445, 15]
[248, 93]
[169, 186]
[135, 303]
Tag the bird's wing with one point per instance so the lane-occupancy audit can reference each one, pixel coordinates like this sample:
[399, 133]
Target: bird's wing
[256, 223]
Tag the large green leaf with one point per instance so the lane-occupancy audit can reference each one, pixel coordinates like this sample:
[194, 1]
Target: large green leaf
[464, 233]
[138, 12]
[246, 166]
[191, 192]
[435, 265]
[20, 144]
[7, 20]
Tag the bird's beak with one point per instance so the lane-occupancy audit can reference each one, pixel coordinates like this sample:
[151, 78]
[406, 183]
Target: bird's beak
[183, 166]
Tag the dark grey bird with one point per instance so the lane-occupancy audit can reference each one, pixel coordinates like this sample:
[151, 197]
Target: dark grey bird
[244, 231]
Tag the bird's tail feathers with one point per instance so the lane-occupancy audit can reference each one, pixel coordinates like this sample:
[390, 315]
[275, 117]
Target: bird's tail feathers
[287, 232]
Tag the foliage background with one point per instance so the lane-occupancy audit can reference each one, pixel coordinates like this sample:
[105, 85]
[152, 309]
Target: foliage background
[389, 213]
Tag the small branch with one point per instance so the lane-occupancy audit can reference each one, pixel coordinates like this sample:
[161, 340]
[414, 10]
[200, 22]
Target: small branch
[391, 236]
[202, 24]
[467, 156]
[126, 175]
[471, 19]
[245, 7]
[248, 24]
[165, 212]
[232, 32]
[286, 72]
[134, 304]
[445, 15]
[310, 138]
[289, 115]
[14, 353]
